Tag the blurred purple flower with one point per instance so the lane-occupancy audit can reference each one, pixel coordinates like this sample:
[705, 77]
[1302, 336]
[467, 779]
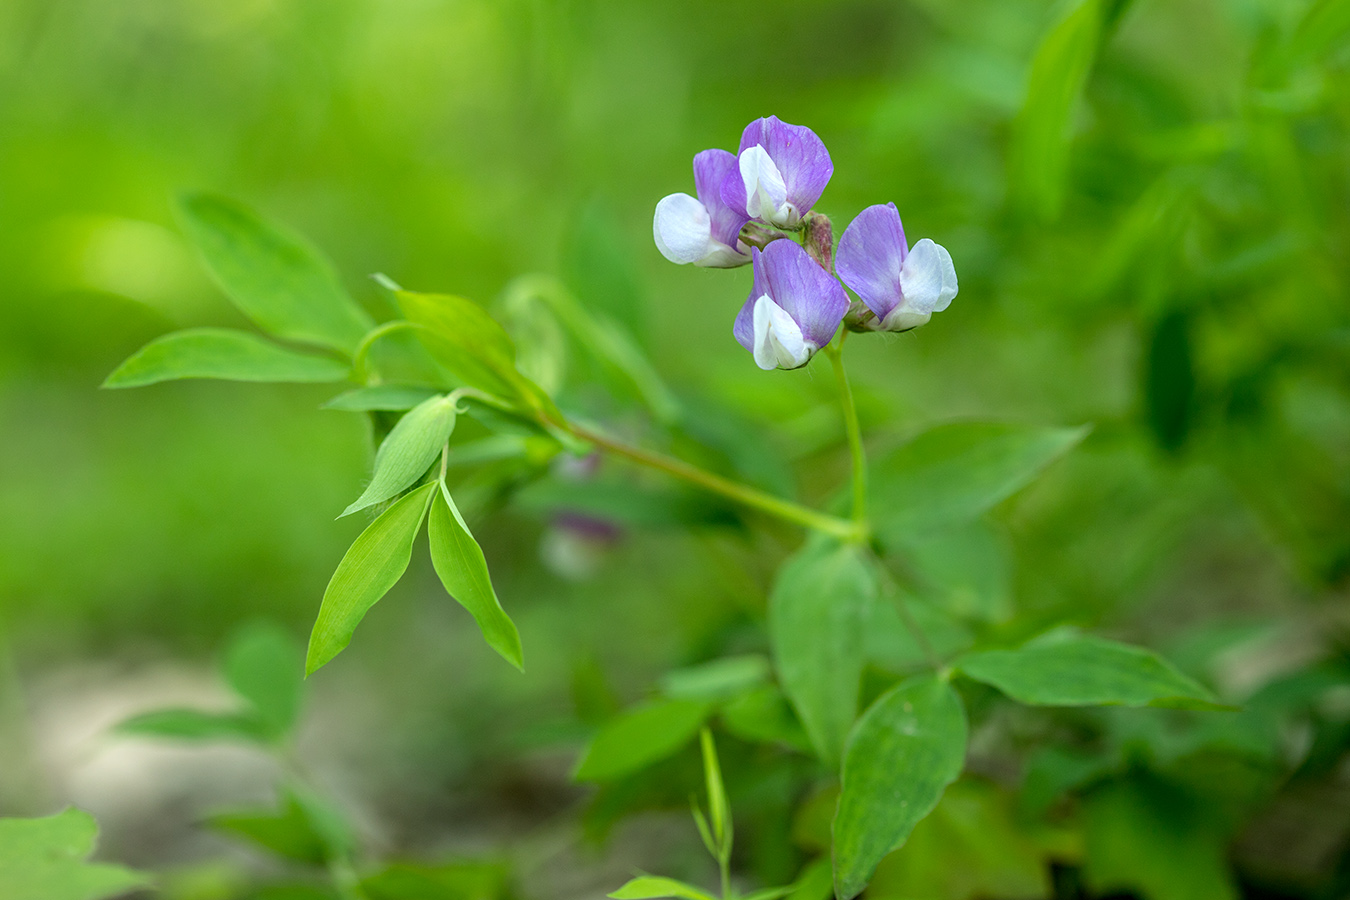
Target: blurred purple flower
[782, 171]
[702, 231]
[902, 287]
[793, 310]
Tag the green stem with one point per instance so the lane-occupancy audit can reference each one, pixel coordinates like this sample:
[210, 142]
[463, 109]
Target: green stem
[363, 349]
[741, 493]
[835, 351]
[724, 865]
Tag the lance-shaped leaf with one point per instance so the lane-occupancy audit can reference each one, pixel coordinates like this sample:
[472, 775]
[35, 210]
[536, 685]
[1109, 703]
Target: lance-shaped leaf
[264, 666]
[275, 277]
[374, 563]
[459, 562]
[640, 737]
[221, 353]
[195, 725]
[952, 474]
[44, 859]
[652, 887]
[382, 396]
[1059, 669]
[408, 451]
[905, 750]
[817, 614]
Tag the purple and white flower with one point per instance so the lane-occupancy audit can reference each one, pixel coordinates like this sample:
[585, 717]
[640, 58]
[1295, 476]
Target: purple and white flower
[704, 230]
[902, 287]
[781, 172]
[793, 310]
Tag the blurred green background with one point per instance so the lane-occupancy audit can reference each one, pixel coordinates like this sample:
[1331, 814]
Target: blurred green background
[1179, 282]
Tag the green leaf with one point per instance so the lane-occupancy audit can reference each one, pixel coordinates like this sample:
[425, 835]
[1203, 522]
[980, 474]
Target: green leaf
[265, 667]
[817, 613]
[221, 353]
[194, 725]
[719, 809]
[966, 571]
[382, 397]
[815, 882]
[408, 451]
[1169, 380]
[1324, 26]
[717, 679]
[772, 893]
[954, 473]
[276, 278]
[640, 737]
[463, 570]
[373, 564]
[287, 833]
[763, 715]
[901, 756]
[1040, 140]
[44, 859]
[1071, 670]
[651, 886]
[450, 881]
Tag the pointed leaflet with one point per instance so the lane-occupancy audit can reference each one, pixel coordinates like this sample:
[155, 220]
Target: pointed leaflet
[640, 737]
[1077, 670]
[194, 725]
[408, 451]
[221, 353]
[44, 859]
[816, 616]
[651, 887]
[276, 278]
[374, 563]
[264, 666]
[906, 749]
[459, 562]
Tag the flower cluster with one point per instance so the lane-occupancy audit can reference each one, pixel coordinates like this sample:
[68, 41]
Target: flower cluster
[747, 208]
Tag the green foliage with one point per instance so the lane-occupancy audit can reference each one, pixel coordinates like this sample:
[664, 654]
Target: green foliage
[649, 887]
[44, 859]
[905, 750]
[640, 737]
[449, 881]
[1169, 385]
[392, 397]
[408, 451]
[220, 353]
[718, 679]
[193, 725]
[274, 277]
[301, 830]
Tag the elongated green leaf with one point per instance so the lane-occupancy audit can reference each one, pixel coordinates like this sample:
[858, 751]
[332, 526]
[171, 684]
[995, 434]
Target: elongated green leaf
[287, 833]
[904, 752]
[719, 809]
[266, 668]
[194, 725]
[650, 887]
[44, 859]
[1325, 25]
[817, 613]
[408, 451]
[221, 353]
[954, 473]
[459, 562]
[815, 882]
[718, 679]
[764, 715]
[372, 565]
[467, 880]
[382, 396]
[1072, 670]
[640, 737]
[965, 571]
[276, 278]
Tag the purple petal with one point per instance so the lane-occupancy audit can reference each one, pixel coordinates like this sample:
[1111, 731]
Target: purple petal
[744, 328]
[871, 253]
[711, 168]
[800, 155]
[807, 292]
[732, 193]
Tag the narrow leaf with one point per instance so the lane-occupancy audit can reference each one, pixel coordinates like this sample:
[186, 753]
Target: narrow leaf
[764, 715]
[276, 278]
[817, 613]
[382, 397]
[194, 725]
[1074, 670]
[44, 859]
[372, 565]
[717, 679]
[640, 737]
[904, 752]
[265, 667]
[408, 451]
[459, 561]
[719, 810]
[221, 353]
[649, 887]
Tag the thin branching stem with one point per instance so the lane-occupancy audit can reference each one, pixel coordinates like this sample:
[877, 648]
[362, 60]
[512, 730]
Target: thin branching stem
[835, 351]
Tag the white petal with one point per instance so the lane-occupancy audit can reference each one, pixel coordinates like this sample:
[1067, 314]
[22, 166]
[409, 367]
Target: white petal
[720, 256]
[682, 229]
[903, 318]
[928, 278]
[765, 191]
[778, 339]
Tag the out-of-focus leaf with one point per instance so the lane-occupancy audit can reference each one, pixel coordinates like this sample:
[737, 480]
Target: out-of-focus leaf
[382, 396]
[764, 715]
[1169, 380]
[221, 353]
[1051, 771]
[408, 451]
[450, 881]
[1146, 836]
[194, 725]
[44, 859]
[287, 833]
[817, 611]
[373, 564]
[265, 667]
[816, 881]
[965, 570]
[905, 750]
[952, 474]
[1059, 71]
[719, 809]
[622, 502]
[459, 561]
[718, 679]
[276, 278]
[891, 642]
[1325, 25]
[640, 737]
[649, 887]
[599, 267]
[1072, 670]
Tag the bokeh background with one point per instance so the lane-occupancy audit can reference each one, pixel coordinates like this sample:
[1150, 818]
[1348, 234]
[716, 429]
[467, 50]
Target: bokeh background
[1179, 282]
